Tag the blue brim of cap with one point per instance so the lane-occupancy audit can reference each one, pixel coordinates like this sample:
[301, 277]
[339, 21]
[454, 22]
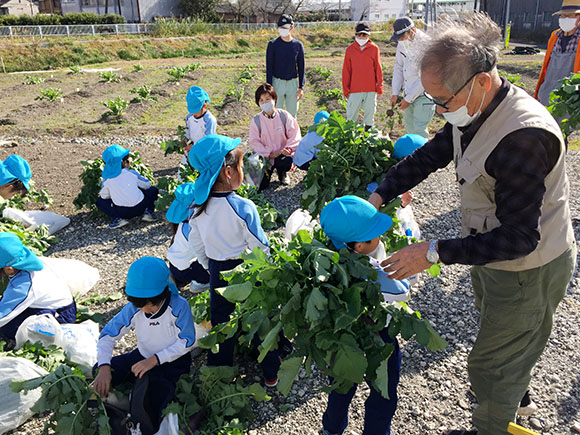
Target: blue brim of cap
[396, 37]
[177, 212]
[151, 293]
[29, 261]
[381, 224]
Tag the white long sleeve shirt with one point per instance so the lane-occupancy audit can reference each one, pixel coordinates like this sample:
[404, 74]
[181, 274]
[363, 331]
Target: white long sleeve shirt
[406, 73]
[125, 189]
[180, 253]
[39, 289]
[168, 334]
[229, 225]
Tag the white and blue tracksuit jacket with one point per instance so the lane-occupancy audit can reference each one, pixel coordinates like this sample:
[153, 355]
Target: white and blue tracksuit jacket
[125, 189]
[40, 289]
[180, 253]
[168, 334]
[229, 225]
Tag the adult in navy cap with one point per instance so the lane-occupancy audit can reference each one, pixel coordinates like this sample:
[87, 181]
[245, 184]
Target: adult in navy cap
[407, 88]
[285, 66]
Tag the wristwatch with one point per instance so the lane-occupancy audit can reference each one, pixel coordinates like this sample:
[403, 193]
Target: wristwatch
[432, 254]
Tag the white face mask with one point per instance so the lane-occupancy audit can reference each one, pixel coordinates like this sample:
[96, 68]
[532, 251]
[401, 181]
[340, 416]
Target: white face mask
[361, 41]
[267, 107]
[461, 118]
[567, 24]
[283, 32]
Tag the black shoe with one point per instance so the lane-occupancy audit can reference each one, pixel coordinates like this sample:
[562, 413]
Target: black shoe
[265, 182]
[460, 432]
[283, 177]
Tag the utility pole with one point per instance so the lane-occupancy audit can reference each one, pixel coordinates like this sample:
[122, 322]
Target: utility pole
[507, 17]
[339, 10]
[536, 16]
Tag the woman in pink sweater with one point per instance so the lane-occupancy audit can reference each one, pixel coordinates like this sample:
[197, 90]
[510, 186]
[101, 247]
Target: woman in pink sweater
[274, 134]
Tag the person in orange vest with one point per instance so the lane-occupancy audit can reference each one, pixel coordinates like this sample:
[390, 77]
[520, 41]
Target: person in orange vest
[563, 53]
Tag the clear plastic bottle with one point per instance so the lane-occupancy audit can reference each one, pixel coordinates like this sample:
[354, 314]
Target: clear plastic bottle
[409, 228]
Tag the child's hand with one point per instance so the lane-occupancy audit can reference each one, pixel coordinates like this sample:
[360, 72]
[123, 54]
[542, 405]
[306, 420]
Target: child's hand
[102, 382]
[143, 366]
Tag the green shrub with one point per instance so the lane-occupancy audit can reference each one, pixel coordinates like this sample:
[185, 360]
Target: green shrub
[137, 67]
[142, 93]
[91, 18]
[50, 94]
[116, 108]
[75, 70]
[243, 42]
[113, 19]
[127, 55]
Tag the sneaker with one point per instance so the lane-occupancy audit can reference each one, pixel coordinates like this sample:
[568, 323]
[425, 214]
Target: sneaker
[283, 177]
[198, 287]
[271, 383]
[118, 223]
[149, 216]
[527, 406]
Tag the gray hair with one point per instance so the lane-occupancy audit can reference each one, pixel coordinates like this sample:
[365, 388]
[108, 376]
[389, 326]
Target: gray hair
[461, 47]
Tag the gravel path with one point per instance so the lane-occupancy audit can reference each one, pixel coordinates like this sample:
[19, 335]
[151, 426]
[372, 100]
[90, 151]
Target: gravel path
[433, 392]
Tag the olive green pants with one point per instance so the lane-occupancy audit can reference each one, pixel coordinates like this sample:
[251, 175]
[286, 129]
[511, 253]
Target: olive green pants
[517, 310]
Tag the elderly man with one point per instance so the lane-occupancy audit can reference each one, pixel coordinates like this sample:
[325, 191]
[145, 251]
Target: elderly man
[515, 220]
[563, 53]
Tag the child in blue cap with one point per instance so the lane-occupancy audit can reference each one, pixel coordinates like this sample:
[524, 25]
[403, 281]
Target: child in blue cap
[223, 226]
[32, 289]
[199, 121]
[163, 323]
[184, 267]
[15, 177]
[125, 194]
[306, 151]
[353, 223]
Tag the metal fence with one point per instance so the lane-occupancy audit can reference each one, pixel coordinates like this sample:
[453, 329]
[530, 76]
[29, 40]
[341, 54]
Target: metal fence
[118, 29]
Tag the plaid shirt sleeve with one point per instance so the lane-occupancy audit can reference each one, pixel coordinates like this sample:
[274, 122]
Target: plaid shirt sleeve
[519, 164]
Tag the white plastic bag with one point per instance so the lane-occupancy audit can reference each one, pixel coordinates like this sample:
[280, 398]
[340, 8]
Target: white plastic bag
[79, 341]
[15, 407]
[169, 425]
[407, 223]
[42, 327]
[32, 219]
[78, 276]
[254, 169]
[200, 332]
[298, 220]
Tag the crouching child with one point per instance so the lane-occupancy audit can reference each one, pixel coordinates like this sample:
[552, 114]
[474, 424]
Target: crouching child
[353, 223]
[32, 289]
[125, 194]
[307, 148]
[163, 323]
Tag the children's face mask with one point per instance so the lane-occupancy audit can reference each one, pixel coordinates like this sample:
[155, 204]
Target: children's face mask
[361, 41]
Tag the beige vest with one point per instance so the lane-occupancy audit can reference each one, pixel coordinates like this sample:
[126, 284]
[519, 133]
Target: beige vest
[477, 188]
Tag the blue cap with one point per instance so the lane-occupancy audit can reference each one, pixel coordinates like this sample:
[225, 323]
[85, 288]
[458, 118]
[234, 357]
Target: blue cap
[321, 116]
[195, 99]
[20, 168]
[407, 144]
[352, 219]
[14, 254]
[178, 210]
[147, 277]
[208, 157]
[112, 157]
[5, 175]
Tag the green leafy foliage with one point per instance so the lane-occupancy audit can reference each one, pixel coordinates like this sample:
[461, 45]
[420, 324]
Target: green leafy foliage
[116, 107]
[319, 73]
[50, 94]
[109, 77]
[36, 196]
[514, 79]
[75, 69]
[167, 186]
[323, 300]
[38, 241]
[91, 179]
[174, 145]
[200, 307]
[49, 357]
[349, 159]
[178, 72]
[565, 103]
[137, 67]
[269, 216]
[66, 394]
[392, 117]
[220, 393]
[142, 93]
[85, 313]
[235, 93]
[56, 19]
[33, 80]
[247, 74]
[328, 95]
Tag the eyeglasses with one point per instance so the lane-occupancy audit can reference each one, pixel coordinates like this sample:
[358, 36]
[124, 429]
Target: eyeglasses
[444, 105]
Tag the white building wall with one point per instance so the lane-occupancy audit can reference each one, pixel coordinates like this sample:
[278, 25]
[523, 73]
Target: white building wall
[148, 8]
[384, 10]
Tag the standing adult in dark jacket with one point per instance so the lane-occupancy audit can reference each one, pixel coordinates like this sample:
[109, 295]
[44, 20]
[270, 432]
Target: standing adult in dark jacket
[285, 66]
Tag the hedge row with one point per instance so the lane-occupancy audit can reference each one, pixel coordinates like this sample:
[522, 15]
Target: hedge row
[55, 20]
